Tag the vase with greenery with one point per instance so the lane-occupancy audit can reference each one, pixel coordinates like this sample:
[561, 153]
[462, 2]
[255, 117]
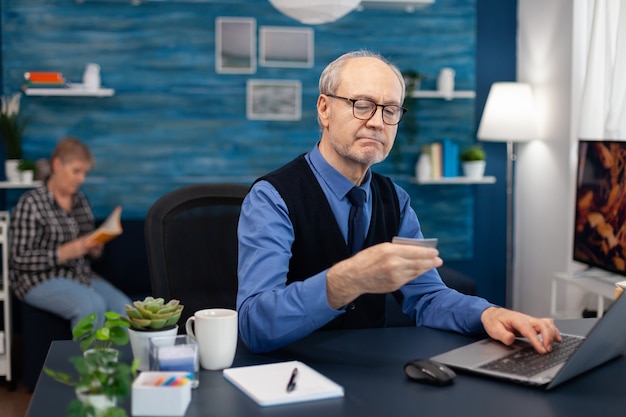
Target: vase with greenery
[151, 317]
[12, 126]
[408, 128]
[101, 379]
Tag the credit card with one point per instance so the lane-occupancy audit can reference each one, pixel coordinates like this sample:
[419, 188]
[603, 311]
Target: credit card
[429, 242]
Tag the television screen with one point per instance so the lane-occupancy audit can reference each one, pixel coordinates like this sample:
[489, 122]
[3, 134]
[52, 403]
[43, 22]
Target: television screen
[600, 228]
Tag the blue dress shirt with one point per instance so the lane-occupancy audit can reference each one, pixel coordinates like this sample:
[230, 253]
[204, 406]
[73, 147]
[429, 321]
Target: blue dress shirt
[273, 314]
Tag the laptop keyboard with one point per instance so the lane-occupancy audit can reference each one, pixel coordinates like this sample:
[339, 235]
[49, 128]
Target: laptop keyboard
[527, 362]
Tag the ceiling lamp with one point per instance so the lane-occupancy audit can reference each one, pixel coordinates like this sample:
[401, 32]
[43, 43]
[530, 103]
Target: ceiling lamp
[315, 12]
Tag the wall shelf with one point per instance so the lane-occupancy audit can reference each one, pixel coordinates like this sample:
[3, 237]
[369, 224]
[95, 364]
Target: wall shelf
[72, 91]
[455, 180]
[438, 94]
[20, 185]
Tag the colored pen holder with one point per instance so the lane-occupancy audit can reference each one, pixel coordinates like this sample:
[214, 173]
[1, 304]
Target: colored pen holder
[161, 394]
[175, 353]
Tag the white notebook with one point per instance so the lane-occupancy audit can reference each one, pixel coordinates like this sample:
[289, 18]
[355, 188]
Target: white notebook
[267, 384]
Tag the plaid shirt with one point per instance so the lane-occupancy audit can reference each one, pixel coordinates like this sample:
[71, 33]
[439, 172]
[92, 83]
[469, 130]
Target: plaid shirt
[38, 227]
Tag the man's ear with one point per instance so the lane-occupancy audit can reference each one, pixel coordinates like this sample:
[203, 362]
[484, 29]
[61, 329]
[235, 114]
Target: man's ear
[323, 109]
[56, 164]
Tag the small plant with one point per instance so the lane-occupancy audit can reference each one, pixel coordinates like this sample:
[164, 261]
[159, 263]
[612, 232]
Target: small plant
[412, 80]
[473, 153]
[153, 314]
[27, 165]
[408, 128]
[99, 372]
[112, 332]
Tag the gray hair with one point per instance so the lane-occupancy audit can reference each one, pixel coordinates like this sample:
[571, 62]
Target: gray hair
[70, 148]
[331, 76]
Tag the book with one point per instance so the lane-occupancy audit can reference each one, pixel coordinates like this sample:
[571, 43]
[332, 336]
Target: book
[450, 159]
[267, 384]
[45, 78]
[110, 228]
[436, 160]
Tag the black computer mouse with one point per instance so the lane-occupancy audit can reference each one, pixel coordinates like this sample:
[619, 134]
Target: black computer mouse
[428, 371]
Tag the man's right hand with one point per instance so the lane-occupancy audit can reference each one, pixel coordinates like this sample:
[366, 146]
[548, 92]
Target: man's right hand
[378, 269]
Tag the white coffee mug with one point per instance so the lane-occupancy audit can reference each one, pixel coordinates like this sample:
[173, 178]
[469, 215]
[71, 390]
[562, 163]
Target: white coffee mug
[215, 330]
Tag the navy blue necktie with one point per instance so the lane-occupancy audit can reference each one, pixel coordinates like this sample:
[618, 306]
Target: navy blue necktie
[356, 220]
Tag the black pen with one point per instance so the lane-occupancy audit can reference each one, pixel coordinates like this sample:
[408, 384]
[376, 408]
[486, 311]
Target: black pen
[291, 385]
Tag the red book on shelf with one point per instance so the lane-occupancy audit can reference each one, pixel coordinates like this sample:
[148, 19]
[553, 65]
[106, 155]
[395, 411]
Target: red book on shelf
[39, 77]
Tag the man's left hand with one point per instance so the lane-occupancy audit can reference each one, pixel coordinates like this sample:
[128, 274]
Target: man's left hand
[505, 325]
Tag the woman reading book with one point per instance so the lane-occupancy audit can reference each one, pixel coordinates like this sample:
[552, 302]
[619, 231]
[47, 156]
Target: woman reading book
[50, 249]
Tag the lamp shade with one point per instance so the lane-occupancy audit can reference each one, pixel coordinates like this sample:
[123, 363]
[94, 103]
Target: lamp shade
[509, 114]
[315, 12]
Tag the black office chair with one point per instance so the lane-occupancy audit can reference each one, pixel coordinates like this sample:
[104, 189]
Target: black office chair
[191, 242]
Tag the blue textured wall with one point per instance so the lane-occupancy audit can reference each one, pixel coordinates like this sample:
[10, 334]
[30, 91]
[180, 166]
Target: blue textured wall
[174, 121]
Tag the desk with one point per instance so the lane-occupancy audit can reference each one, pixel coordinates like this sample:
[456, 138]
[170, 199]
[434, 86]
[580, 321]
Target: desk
[369, 365]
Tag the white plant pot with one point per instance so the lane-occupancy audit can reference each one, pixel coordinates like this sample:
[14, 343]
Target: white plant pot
[139, 342]
[100, 402]
[27, 176]
[11, 171]
[474, 169]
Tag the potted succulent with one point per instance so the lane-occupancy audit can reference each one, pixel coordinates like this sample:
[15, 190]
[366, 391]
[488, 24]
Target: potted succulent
[12, 126]
[473, 160]
[102, 380]
[152, 317]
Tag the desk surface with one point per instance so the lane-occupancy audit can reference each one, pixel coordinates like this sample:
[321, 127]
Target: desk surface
[369, 365]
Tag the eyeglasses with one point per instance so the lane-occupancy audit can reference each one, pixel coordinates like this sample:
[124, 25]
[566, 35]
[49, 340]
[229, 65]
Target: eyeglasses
[364, 109]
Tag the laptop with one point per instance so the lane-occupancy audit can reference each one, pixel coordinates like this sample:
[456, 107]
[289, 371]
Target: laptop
[521, 364]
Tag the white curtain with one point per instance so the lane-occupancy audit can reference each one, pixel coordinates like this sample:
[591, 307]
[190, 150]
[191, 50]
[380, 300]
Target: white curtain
[603, 106]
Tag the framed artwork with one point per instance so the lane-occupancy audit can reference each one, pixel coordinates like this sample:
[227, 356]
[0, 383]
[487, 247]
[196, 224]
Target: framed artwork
[286, 47]
[235, 45]
[273, 99]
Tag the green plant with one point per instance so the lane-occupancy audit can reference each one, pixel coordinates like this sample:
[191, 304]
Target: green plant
[153, 313]
[473, 153]
[98, 370]
[27, 165]
[412, 80]
[408, 128]
[12, 125]
[89, 335]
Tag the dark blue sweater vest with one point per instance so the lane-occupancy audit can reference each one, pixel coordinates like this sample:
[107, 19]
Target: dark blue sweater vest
[319, 243]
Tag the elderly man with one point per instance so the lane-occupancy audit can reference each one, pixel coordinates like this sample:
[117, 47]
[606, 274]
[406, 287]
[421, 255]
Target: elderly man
[305, 263]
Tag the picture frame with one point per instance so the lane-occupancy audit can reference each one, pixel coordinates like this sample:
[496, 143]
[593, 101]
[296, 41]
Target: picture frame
[286, 47]
[235, 45]
[274, 100]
